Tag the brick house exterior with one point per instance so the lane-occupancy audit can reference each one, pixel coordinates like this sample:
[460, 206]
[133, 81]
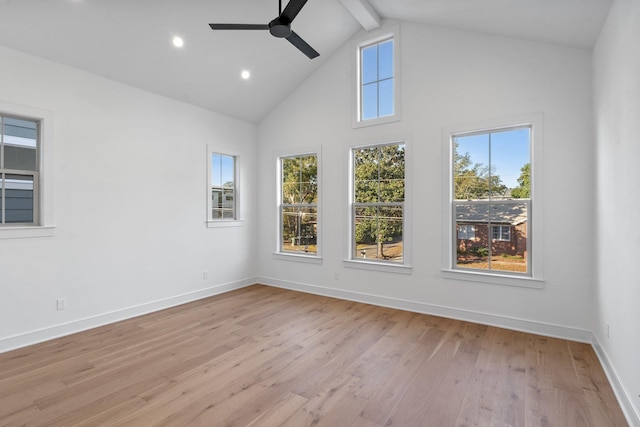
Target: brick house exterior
[507, 231]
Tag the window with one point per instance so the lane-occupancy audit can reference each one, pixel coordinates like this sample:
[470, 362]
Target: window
[378, 203]
[466, 232]
[377, 79]
[501, 233]
[298, 207]
[222, 189]
[19, 177]
[491, 189]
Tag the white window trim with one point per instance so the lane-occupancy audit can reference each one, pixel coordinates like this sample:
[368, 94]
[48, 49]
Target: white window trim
[44, 226]
[217, 223]
[298, 256]
[535, 228]
[377, 265]
[391, 32]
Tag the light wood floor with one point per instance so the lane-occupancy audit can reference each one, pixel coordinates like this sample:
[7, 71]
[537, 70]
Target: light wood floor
[262, 356]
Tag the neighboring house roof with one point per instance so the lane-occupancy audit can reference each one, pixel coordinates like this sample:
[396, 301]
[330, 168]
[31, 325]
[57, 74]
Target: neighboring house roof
[512, 214]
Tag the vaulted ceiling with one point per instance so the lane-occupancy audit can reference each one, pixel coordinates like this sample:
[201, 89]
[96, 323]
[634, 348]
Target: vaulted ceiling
[131, 41]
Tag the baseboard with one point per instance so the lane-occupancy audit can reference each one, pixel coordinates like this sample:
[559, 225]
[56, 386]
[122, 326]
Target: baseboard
[523, 325]
[633, 417]
[56, 331]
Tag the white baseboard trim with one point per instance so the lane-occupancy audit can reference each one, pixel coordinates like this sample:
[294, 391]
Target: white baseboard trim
[523, 325]
[56, 331]
[632, 415]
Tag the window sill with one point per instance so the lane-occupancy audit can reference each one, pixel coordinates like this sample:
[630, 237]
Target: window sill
[26, 232]
[378, 266]
[494, 279]
[377, 121]
[310, 259]
[225, 223]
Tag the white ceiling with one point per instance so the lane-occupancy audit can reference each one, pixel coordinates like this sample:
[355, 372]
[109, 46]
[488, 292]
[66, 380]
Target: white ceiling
[130, 40]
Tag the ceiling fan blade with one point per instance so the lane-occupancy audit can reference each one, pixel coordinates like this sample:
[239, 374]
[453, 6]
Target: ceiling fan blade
[239, 26]
[292, 9]
[304, 47]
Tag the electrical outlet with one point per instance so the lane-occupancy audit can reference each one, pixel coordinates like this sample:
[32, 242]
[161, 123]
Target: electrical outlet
[205, 275]
[61, 303]
[608, 331]
[336, 276]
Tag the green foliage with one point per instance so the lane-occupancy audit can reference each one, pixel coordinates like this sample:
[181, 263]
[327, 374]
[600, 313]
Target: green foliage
[299, 186]
[300, 180]
[474, 181]
[523, 191]
[480, 251]
[379, 180]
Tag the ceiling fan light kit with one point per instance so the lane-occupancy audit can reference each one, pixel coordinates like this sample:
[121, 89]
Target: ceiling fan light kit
[279, 27]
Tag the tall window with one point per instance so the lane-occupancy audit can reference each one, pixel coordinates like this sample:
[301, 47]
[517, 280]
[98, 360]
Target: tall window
[376, 80]
[378, 203]
[223, 187]
[299, 204]
[19, 167]
[491, 192]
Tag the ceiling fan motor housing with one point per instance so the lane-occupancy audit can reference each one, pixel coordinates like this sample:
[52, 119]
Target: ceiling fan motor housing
[277, 28]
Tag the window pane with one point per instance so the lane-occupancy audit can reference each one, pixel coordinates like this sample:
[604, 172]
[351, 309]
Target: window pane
[472, 253]
[309, 179]
[216, 170]
[22, 133]
[228, 198]
[21, 158]
[20, 142]
[227, 171]
[509, 237]
[299, 229]
[510, 160]
[385, 60]
[370, 64]
[370, 101]
[19, 203]
[378, 233]
[385, 100]
[471, 167]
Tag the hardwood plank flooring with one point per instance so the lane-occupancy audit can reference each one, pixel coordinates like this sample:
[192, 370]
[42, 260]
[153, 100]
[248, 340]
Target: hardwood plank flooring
[263, 356]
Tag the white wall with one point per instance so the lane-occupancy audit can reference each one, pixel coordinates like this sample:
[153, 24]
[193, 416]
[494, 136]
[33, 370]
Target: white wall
[449, 77]
[130, 205]
[616, 62]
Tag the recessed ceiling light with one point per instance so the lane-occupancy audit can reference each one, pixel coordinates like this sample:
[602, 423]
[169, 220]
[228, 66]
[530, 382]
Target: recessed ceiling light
[178, 42]
[245, 74]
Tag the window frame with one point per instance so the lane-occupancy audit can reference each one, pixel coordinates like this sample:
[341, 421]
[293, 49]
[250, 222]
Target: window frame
[374, 37]
[279, 253]
[500, 228]
[535, 205]
[223, 222]
[466, 231]
[43, 224]
[350, 260]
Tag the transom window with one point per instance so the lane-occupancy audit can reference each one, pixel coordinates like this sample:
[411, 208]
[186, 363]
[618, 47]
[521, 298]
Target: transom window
[377, 80]
[298, 210]
[491, 190]
[378, 203]
[19, 170]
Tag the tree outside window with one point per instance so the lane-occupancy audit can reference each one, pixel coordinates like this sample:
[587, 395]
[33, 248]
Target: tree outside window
[299, 204]
[378, 202]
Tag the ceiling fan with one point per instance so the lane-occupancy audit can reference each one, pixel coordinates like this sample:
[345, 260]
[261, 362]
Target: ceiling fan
[279, 27]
